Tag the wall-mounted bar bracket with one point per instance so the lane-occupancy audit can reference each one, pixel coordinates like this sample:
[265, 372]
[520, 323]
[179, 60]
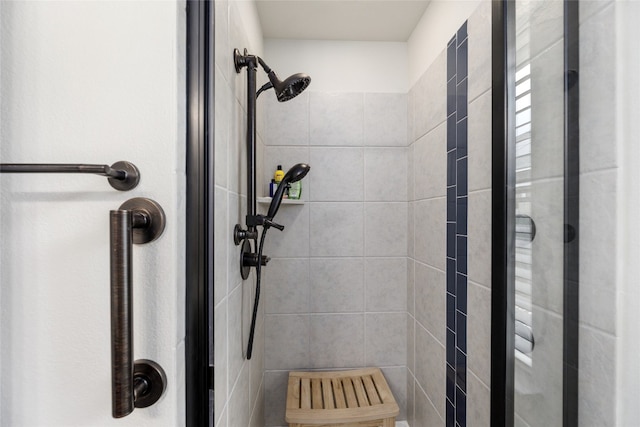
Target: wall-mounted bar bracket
[122, 175]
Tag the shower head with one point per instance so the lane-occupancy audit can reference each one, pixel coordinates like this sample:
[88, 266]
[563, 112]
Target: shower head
[296, 173]
[285, 90]
[289, 88]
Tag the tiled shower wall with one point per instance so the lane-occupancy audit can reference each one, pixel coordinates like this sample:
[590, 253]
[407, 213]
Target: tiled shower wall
[335, 292]
[238, 382]
[603, 363]
[426, 303]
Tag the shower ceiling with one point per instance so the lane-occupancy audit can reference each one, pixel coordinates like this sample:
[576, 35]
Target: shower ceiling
[362, 20]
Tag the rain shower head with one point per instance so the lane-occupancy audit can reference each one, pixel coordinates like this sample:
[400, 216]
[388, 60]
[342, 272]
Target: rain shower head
[295, 174]
[290, 87]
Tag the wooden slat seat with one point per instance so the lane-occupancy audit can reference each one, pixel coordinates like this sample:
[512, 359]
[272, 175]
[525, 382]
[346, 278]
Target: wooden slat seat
[358, 397]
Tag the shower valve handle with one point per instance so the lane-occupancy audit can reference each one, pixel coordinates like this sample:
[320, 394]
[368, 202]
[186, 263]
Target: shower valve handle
[268, 223]
[251, 259]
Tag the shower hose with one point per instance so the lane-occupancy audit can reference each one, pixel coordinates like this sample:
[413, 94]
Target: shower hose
[257, 298]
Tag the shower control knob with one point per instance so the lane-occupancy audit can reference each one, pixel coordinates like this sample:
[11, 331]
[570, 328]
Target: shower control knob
[251, 260]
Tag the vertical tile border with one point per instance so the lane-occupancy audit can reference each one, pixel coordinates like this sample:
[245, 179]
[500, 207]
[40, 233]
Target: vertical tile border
[456, 226]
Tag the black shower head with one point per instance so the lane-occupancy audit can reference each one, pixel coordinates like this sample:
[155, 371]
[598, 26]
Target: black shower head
[285, 90]
[290, 87]
[296, 173]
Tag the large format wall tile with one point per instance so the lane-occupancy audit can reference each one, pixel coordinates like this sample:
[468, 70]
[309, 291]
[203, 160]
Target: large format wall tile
[336, 229]
[239, 398]
[385, 174]
[430, 362]
[235, 349]
[479, 28]
[336, 119]
[598, 226]
[597, 382]
[385, 119]
[293, 113]
[430, 300]
[430, 217]
[385, 229]
[430, 152]
[223, 102]
[336, 340]
[425, 413]
[479, 232]
[397, 379]
[386, 284]
[430, 97]
[479, 128]
[597, 104]
[336, 285]
[275, 392]
[221, 230]
[336, 174]
[293, 242]
[479, 414]
[286, 286]
[287, 341]
[385, 339]
[479, 332]
[220, 357]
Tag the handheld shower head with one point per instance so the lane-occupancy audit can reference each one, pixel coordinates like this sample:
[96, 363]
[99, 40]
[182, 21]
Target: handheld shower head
[295, 174]
[289, 88]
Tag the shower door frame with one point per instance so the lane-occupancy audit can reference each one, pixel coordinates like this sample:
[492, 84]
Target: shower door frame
[199, 220]
[502, 224]
[503, 64]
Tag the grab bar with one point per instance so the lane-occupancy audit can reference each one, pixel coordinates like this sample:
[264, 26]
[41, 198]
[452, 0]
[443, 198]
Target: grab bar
[141, 383]
[121, 175]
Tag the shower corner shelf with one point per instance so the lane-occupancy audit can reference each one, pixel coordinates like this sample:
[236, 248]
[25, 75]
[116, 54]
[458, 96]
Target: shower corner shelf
[267, 201]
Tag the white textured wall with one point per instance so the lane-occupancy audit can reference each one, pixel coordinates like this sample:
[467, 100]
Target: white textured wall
[88, 82]
[436, 27]
[342, 66]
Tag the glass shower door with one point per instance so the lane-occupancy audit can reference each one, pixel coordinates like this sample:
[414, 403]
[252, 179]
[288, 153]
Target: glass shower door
[540, 251]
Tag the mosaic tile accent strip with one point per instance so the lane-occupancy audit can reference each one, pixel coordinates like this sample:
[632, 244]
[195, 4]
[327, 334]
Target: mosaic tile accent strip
[456, 355]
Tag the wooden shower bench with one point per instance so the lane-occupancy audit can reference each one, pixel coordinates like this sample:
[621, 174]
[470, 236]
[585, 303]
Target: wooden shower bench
[359, 398]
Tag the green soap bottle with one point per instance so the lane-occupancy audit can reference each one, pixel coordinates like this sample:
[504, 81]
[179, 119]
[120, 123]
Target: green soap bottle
[295, 190]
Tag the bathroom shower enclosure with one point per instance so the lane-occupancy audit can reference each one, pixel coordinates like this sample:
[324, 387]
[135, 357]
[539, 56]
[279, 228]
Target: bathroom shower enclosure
[76, 92]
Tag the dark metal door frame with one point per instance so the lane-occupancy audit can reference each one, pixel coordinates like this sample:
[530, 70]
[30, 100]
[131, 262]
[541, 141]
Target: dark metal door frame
[503, 228]
[199, 213]
[502, 223]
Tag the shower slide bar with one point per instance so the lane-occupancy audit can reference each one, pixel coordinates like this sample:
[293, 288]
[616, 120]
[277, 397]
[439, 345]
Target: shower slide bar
[140, 383]
[122, 175]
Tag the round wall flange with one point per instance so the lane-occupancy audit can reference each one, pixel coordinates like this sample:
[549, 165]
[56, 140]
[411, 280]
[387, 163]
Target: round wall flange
[239, 60]
[154, 215]
[245, 249]
[132, 179]
[154, 382]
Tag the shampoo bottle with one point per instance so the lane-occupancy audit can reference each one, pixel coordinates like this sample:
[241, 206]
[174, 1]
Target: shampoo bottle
[277, 177]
